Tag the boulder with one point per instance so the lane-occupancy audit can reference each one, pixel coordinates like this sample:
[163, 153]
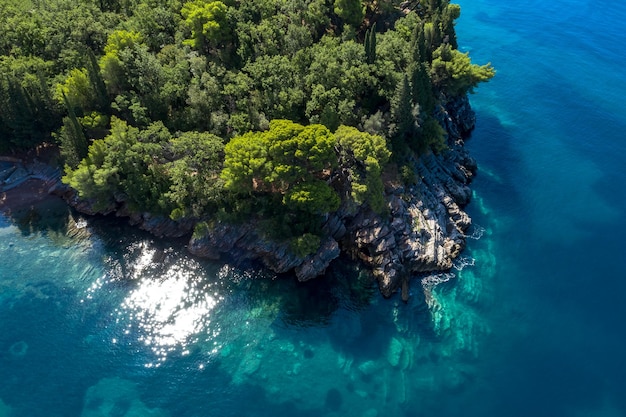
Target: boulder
[316, 264]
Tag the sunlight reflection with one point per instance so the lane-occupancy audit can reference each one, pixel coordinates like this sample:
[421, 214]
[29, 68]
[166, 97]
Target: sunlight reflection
[168, 305]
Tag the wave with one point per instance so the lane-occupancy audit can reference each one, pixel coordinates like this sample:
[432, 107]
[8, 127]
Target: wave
[462, 261]
[475, 232]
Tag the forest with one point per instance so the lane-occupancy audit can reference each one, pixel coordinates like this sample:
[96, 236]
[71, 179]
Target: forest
[224, 109]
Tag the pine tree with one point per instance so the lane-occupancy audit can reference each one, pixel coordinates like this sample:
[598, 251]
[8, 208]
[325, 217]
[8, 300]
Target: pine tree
[418, 43]
[403, 134]
[97, 83]
[20, 118]
[370, 44]
[72, 139]
[421, 88]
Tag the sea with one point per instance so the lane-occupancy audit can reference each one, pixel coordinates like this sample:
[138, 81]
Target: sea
[100, 319]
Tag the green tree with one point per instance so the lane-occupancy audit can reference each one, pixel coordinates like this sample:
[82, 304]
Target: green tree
[196, 186]
[73, 143]
[286, 166]
[366, 155]
[77, 90]
[351, 12]
[454, 72]
[370, 44]
[449, 14]
[126, 166]
[313, 197]
[404, 119]
[111, 63]
[207, 23]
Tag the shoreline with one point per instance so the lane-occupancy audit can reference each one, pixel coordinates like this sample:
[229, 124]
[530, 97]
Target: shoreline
[26, 196]
[27, 180]
[425, 229]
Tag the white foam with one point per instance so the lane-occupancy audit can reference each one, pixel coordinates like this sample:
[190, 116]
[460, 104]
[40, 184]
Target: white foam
[462, 261]
[476, 232]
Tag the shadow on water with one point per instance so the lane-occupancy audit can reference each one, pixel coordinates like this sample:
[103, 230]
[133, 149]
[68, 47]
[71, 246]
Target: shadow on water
[499, 166]
[344, 286]
[50, 216]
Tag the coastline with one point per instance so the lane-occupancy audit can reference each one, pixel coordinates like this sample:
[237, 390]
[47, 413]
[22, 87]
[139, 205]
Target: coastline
[423, 232]
[26, 182]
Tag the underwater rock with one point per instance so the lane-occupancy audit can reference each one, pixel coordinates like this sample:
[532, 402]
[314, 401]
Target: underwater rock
[334, 399]
[18, 349]
[250, 365]
[394, 352]
[369, 367]
[116, 397]
[5, 410]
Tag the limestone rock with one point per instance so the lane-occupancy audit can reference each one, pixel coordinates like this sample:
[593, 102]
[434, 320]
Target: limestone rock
[316, 264]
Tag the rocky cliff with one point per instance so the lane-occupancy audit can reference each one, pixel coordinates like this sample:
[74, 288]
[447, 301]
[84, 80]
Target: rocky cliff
[423, 231]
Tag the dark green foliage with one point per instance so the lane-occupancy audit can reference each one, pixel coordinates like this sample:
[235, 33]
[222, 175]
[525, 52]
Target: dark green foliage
[367, 155]
[404, 118]
[71, 137]
[305, 244]
[422, 88]
[195, 184]
[255, 86]
[370, 44]
[150, 170]
[101, 99]
[313, 197]
[350, 11]
[432, 136]
[27, 115]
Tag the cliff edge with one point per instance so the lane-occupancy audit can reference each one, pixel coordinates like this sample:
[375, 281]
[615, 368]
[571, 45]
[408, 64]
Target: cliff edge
[423, 232]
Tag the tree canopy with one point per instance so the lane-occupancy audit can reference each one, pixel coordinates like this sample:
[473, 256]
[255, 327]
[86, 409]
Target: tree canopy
[191, 107]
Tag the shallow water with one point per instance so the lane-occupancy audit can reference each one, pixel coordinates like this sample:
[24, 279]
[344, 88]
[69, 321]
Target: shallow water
[97, 319]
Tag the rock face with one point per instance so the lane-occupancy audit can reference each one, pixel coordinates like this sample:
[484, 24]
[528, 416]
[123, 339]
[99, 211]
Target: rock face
[244, 242]
[426, 230]
[423, 231]
[14, 172]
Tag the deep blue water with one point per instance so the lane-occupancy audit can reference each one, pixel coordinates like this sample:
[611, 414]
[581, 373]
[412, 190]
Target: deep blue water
[99, 320]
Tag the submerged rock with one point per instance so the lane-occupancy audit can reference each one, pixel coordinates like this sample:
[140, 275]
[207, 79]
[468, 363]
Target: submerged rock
[116, 397]
[18, 349]
[394, 352]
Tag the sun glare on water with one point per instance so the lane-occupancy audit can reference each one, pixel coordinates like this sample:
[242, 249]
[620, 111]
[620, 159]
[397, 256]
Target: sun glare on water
[169, 303]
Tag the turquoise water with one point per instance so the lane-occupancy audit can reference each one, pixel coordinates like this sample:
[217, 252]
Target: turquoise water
[97, 319]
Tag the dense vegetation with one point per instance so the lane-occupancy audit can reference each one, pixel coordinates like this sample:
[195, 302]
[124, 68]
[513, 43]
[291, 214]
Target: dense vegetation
[197, 108]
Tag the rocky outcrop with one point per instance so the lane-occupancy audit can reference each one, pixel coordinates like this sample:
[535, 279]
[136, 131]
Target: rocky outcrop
[426, 228]
[159, 226]
[423, 231]
[14, 172]
[427, 225]
[244, 241]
